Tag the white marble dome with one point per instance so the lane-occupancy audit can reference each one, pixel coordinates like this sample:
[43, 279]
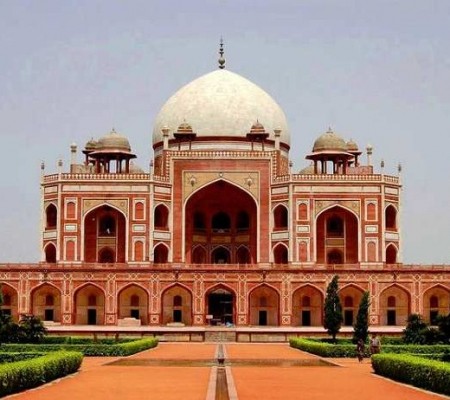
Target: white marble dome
[221, 104]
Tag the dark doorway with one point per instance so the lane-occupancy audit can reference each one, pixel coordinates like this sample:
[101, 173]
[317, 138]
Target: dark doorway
[434, 317]
[348, 317]
[220, 256]
[262, 318]
[92, 316]
[306, 318]
[220, 306]
[48, 314]
[391, 317]
[177, 316]
[134, 313]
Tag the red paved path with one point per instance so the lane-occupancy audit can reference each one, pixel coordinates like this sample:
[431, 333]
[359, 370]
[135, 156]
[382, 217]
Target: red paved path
[98, 381]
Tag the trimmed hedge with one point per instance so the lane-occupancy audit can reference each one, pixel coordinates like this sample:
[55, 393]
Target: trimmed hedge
[19, 356]
[96, 350]
[417, 371]
[326, 349]
[83, 340]
[416, 348]
[22, 375]
[349, 350]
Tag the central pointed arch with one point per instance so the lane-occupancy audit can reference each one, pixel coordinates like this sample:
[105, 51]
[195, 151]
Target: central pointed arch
[337, 236]
[105, 235]
[220, 226]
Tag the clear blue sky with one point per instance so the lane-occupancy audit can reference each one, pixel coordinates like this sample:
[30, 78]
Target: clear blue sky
[375, 71]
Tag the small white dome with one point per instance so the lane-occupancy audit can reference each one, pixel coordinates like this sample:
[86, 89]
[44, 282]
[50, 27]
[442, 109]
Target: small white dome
[223, 104]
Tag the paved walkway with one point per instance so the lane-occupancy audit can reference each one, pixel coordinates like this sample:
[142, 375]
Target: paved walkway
[185, 371]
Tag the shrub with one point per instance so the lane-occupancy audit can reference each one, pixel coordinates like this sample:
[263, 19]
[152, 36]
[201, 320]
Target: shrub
[21, 375]
[416, 348]
[417, 371]
[98, 349]
[84, 340]
[415, 327]
[341, 349]
[326, 349]
[19, 356]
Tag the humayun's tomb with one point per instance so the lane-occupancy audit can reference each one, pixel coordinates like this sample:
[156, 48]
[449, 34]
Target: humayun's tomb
[220, 231]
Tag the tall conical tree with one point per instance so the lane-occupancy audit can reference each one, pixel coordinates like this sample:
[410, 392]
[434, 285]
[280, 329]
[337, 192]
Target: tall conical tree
[333, 309]
[361, 327]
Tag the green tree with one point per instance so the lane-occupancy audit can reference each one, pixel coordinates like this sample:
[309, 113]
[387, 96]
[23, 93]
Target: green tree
[415, 329]
[361, 327]
[332, 309]
[32, 329]
[444, 327]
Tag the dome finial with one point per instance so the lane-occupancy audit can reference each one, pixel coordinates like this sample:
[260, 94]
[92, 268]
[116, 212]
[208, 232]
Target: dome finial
[221, 58]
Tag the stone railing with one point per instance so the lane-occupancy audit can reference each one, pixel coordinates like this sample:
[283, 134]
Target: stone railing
[96, 177]
[339, 178]
[48, 267]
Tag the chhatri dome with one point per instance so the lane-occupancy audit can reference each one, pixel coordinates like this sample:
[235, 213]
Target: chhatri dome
[221, 104]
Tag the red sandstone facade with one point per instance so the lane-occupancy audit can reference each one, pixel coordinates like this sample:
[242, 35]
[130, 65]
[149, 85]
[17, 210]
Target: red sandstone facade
[220, 230]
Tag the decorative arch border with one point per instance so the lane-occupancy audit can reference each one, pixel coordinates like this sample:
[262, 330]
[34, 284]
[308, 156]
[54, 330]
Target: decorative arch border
[218, 180]
[305, 285]
[11, 287]
[396, 285]
[174, 284]
[265, 284]
[437, 286]
[83, 285]
[127, 285]
[40, 285]
[219, 285]
[352, 285]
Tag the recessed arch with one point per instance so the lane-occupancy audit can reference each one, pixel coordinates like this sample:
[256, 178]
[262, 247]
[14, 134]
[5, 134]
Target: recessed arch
[280, 217]
[390, 218]
[212, 220]
[337, 235]
[199, 255]
[10, 304]
[264, 312]
[50, 252]
[398, 314]
[243, 255]
[51, 216]
[280, 253]
[161, 253]
[221, 255]
[436, 301]
[350, 296]
[176, 305]
[161, 217]
[105, 226]
[42, 307]
[307, 306]
[133, 301]
[86, 311]
[220, 301]
[391, 254]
